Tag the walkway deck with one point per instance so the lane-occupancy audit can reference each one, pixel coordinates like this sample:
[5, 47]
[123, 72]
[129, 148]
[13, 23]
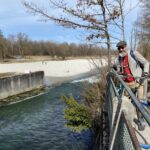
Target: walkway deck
[143, 136]
[124, 132]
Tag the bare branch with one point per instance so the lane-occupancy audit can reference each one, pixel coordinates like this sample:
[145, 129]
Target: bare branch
[62, 21]
[79, 14]
[93, 15]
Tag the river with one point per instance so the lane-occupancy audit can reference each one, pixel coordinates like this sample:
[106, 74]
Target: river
[38, 123]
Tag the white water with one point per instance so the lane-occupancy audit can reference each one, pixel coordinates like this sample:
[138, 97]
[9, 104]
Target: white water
[92, 79]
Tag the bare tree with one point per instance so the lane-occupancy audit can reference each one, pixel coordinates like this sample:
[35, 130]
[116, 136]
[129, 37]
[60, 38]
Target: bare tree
[121, 6]
[2, 45]
[143, 29]
[134, 38]
[11, 40]
[95, 16]
[22, 39]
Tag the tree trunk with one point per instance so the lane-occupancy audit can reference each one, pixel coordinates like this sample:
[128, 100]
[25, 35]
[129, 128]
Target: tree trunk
[106, 33]
[3, 57]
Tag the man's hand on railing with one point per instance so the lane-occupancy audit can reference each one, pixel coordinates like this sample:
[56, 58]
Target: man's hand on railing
[145, 75]
[114, 67]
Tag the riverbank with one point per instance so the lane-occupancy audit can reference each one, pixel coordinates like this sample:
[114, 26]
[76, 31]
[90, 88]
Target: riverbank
[57, 71]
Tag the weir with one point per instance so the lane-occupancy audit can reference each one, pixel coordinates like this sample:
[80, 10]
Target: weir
[12, 84]
[121, 111]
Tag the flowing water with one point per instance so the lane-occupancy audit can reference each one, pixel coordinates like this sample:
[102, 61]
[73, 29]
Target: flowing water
[38, 123]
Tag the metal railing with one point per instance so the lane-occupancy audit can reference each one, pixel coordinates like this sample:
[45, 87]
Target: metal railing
[122, 135]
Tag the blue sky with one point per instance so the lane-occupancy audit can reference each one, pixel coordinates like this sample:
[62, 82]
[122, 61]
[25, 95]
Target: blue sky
[15, 19]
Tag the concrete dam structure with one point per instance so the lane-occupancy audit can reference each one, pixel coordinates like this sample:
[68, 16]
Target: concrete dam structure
[13, 84]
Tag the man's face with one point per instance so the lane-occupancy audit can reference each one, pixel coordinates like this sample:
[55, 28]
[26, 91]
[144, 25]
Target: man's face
[122, 51]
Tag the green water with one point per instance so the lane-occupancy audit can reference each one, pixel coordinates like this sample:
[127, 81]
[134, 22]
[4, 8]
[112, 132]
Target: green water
[38, 123]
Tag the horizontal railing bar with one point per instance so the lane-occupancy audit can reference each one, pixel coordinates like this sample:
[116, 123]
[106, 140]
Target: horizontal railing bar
[145, 114]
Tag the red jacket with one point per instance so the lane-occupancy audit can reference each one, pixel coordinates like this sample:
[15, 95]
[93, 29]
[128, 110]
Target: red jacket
[126, 70]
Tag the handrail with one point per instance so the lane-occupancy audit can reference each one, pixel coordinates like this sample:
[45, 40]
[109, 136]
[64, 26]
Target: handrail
[137, 104]
[121, 135]
[116, 92]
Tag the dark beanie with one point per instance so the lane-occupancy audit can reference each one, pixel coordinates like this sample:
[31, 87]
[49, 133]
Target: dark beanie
[121, 43]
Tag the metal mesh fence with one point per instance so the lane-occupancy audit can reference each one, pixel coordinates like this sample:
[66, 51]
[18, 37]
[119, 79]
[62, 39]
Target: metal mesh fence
[123, 139]
[123, 136]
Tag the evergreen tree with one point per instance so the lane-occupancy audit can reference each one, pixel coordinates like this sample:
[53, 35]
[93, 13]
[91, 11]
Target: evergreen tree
[77, 115]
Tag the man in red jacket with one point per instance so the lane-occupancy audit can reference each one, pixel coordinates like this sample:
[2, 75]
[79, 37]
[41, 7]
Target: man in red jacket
[128, 64]
[133, 64]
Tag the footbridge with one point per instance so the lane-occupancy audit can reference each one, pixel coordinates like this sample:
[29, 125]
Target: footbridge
[124, 130]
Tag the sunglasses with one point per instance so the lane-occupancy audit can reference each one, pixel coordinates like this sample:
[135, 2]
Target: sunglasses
[121, 47]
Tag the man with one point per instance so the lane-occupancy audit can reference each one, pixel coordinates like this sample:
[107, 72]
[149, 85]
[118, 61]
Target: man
[132, 64]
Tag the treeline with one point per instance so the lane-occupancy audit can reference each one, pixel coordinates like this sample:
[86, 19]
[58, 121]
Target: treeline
[142, 29]
[21, 45]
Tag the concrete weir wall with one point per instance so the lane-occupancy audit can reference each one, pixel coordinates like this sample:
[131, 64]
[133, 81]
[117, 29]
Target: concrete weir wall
[15, 84]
